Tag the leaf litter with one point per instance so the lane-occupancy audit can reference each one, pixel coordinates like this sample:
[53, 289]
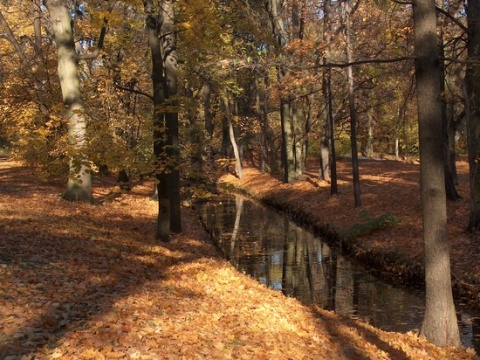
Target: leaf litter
[82, 281]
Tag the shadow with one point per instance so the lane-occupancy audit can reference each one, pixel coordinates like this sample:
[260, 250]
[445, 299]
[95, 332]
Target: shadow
[347, 340]
[64, 265]
[81, 280]
[313, 182]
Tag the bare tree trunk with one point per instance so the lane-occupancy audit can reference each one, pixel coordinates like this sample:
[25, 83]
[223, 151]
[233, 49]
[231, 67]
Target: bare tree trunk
[299, 135]
[288, 154]
[353, 116]
[238, 160]
[37, 25]
[440, 321]
[170, 66]
[159, 135]
[472, 78]
[79, 186]
[261, 108]
[369, 146]
[328, 165]
[450, 189]
[275, 9]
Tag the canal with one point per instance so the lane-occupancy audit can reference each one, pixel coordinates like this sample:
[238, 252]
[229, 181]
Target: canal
[271, 248]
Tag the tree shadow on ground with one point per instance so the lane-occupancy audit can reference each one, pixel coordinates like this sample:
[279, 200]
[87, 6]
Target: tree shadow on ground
[66, 281]
[63, 265]
[347, 339]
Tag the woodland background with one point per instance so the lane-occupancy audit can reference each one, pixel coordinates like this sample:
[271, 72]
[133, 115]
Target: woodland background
[179, 91]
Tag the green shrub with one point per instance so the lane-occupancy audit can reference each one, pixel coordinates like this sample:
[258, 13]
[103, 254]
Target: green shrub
[370, 224]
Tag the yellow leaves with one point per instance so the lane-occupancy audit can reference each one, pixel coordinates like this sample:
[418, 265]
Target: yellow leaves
[57, 354]
[91, 354]
[185, 25]
[111, 354]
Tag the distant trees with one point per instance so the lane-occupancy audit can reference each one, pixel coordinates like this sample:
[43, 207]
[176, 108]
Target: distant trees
[280, 115]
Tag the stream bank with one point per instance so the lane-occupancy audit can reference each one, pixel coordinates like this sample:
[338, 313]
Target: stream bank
[390, 189]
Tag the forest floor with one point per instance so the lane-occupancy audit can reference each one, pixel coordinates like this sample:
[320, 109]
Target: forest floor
[386, 231]
[83, 281]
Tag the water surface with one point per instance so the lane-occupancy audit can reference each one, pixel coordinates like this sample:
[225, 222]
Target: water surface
[271, 248]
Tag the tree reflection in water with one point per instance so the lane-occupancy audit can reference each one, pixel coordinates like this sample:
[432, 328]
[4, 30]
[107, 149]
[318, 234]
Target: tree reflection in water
[274, 250]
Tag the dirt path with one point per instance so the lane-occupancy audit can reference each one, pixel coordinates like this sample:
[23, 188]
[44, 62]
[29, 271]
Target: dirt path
[80, 281]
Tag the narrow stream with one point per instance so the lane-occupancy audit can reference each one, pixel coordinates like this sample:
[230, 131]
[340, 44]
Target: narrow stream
[269, 247]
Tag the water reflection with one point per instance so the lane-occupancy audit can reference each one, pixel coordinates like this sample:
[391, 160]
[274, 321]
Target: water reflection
[274, 250]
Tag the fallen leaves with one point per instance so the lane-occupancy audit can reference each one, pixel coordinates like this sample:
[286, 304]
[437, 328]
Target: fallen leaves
[88, 282]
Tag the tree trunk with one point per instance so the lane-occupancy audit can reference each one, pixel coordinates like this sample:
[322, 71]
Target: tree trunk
[288, 155]
[300, 130]
[208, 110]
[329, 122]
[472, 78]
[170, 66]
[225, 150]
[159, 132]
[79, 186]
[450, 190]
[231, 133]
[453, 121]
[123, 180]
[261, 108]
[369, 146]
[275, 9]
[37, 25]
[440, 321]
[353, 116]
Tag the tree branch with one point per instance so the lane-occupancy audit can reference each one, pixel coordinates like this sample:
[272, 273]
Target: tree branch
[11, 37]
[458, 61]
[368, 61]
[450, 16]
[139, 92]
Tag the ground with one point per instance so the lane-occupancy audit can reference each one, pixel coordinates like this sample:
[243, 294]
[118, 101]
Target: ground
[83, 281]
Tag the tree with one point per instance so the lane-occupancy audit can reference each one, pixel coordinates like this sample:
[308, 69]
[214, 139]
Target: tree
[440, 321]
[11, 37]
[79, 186]
[291, 112]
[352, 108]
[231, 134]
[160, 33]
[328, 162]
[448, 122]
[472, 79]
[170, 66]
[159, 146]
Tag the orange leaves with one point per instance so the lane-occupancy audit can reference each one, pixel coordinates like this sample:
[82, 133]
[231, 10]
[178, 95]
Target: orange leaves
[88, 282]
